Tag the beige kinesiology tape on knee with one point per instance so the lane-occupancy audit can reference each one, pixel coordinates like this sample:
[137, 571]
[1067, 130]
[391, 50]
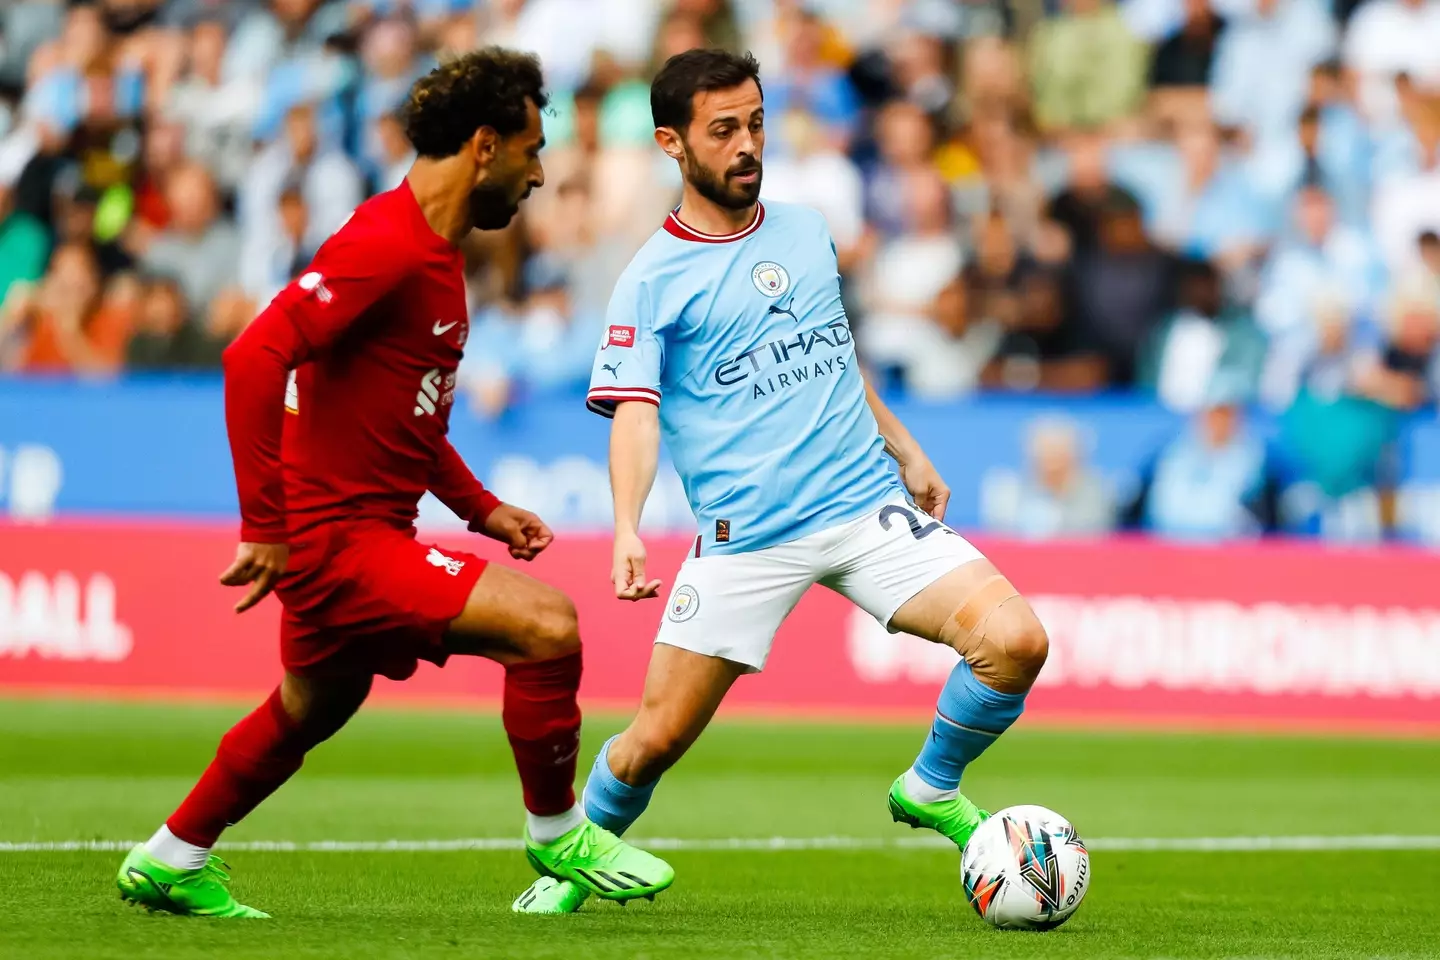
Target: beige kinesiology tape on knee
[987, 655]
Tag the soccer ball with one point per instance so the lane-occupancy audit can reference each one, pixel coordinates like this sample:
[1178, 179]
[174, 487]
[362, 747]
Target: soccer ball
[1025, 868]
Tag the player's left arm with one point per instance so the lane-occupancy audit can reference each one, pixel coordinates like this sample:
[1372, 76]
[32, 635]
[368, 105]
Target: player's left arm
[918, 473]
[457, 487]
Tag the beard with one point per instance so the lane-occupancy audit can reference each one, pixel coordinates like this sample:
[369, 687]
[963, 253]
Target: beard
[492, 207]
[723, 189]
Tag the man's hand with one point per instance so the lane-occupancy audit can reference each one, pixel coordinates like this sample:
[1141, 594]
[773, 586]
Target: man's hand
[924, 483]
[523, 532]
[260, 564]
[628, 571]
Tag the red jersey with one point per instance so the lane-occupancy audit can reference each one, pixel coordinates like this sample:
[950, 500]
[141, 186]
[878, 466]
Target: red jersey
[374, 330]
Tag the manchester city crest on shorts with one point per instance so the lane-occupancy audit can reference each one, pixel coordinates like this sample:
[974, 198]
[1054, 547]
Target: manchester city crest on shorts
[684, 604]
[770, 278]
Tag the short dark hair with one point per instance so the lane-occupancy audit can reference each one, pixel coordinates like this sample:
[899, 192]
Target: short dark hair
[672, 92]
[484, 88]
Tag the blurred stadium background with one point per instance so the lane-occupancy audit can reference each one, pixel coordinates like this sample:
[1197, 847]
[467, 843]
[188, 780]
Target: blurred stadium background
[1156, 283]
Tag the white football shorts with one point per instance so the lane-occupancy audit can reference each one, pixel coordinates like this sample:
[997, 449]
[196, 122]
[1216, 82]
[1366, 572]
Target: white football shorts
[730, 605]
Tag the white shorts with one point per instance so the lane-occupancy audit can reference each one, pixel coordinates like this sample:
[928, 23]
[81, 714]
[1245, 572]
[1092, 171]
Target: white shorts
[730, 605]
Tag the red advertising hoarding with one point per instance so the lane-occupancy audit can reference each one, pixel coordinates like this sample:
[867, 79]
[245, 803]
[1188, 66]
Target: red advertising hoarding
[1250, 634]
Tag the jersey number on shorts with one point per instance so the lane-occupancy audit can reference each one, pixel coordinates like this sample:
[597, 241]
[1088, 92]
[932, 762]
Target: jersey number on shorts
[916, 531]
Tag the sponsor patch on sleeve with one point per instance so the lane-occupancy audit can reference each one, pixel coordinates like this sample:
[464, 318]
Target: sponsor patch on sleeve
[621, 337]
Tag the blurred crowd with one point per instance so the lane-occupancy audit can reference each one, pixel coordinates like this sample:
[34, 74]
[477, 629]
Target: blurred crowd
[1227, 204]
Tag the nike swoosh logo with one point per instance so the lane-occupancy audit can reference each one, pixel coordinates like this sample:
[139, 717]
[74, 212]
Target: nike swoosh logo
[440, 330]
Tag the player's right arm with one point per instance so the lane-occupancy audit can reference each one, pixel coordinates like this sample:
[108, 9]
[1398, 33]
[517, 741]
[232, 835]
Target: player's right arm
[352, 271]
[634, 456]
[625, 386]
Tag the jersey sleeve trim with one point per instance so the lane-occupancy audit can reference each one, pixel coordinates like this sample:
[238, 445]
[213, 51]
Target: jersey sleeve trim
[603, 400]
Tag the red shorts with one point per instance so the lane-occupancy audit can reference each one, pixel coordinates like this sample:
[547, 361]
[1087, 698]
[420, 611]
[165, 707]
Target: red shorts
[367, 598]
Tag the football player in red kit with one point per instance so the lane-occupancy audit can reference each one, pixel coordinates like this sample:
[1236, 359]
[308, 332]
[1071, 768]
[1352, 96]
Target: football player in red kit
[330, 466]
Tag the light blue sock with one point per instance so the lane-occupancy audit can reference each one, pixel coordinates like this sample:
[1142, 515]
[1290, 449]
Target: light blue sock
[968, 718]
[609, 801]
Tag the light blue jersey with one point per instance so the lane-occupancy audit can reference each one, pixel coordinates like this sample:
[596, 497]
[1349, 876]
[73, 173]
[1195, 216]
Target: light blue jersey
[743, 343]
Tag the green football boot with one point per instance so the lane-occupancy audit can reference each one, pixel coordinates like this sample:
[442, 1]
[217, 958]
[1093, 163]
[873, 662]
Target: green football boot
[548, 896]
[601, 863]
[205, 892]
[956, 819]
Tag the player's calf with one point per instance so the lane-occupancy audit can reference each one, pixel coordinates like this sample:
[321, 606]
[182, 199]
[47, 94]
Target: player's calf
[174, 870]
[1002, 646]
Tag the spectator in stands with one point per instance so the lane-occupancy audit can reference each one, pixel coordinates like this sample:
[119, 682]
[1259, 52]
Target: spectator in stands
[1087, 70]
[64, 325]
[330, 183]
[199, 249]
[1210, 482]
[908, 274]
[24, 245]
[1430, 253]
[1205, 205]
[958, 348]
[162, 331]
[90, 80]
[543, 343]
[1330, 150]
[562, 33]
[814, 172]
[394, 155]
[392, 64]
[1184, 60]
[78, 219]
[216, 110]
[1121, 290]
[1061, 497]
[905, 138]
[265, 268]
[919, 70]
[1204, 339]
[1407, 195]
[1080, 206]
[1261, 75]
[805, 81]
[1406, 372]
[1390, 37]
[1324, 268]
[278, 31]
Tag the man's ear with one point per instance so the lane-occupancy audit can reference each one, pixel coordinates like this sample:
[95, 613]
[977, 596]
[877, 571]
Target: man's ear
[484, 146]
[669, 141]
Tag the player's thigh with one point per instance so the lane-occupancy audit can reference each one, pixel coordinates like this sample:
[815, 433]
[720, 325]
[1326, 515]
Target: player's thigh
[511, 617]
[730, 605]
[897, 562]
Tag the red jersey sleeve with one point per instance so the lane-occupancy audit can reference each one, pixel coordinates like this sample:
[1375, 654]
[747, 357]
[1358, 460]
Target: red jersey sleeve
[456, 487]
[353, 270]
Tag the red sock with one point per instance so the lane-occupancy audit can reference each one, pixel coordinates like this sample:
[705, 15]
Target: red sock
[542, 720]
[259, 754]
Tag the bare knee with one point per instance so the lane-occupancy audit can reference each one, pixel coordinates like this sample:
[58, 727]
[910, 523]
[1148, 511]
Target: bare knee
[556, 629]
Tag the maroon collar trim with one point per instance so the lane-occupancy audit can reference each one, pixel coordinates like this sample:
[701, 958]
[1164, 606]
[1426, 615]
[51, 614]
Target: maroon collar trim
[677, 228]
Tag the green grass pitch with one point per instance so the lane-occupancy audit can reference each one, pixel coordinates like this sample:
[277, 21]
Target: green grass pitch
[106, 772]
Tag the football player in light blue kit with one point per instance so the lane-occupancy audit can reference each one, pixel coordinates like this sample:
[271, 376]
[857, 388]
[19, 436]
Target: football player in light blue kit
[726, 336]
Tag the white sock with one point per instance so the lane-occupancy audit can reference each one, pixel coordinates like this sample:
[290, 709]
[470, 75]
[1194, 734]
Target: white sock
[550, 829]
[174, 852]
[921, 792]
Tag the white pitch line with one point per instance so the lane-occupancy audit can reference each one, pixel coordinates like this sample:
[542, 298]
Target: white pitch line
[1129, 844]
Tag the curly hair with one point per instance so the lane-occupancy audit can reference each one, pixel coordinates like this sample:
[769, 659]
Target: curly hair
[483, 88]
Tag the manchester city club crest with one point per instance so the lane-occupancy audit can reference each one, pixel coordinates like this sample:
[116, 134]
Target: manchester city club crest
[684, 604]
[770, 278]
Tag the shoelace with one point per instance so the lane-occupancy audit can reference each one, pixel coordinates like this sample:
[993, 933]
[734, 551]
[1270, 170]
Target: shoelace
[592, 843]
[215, 871]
